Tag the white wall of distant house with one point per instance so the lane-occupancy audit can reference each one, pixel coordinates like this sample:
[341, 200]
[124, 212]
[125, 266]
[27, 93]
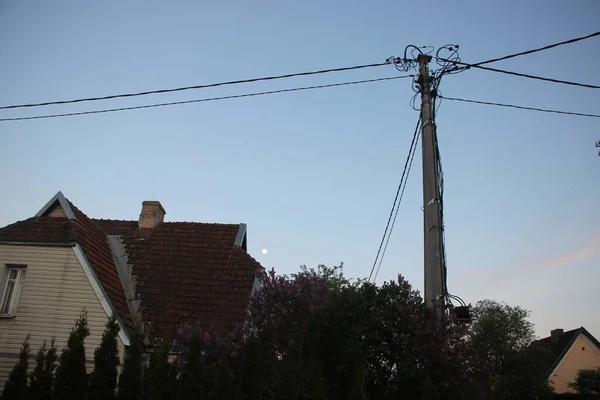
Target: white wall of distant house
[54, 293]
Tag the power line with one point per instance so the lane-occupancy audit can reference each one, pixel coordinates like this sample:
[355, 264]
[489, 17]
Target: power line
[211, 85]
[184, 88]
[237, 96]
[540, 78]
[518, 107]
[456, 61]
[550, 46]
[404, 173]
[411, 153]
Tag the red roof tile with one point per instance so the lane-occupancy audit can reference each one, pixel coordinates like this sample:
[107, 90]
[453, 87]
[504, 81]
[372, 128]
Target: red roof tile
[94, 243]
[37, 229]
[188, 272]
[185, 272]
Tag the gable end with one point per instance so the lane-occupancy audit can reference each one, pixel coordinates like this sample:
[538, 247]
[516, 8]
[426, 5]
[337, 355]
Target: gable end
[52, 209]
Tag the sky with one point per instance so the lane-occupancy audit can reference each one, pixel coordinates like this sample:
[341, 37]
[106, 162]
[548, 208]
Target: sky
[314, 173]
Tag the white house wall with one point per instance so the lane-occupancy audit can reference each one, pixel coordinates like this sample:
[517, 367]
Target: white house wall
[55, 292]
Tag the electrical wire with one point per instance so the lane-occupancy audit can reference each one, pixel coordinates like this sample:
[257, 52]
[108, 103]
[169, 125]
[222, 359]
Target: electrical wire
[519, 107]
[436, 97]
[396, 202]
[205, 99]
[411, 155]
[211, 85]
[539, 78]
[550, 46]
[454, 60]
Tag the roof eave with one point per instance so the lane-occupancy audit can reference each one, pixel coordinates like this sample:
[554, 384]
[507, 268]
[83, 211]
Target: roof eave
[101, 293]
[49, 244]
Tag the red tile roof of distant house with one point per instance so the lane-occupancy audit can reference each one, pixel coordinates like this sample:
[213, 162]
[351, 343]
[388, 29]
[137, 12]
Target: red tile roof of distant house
[188, 272]
[184, 271]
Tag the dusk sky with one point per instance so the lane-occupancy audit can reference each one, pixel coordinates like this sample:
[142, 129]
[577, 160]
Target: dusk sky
[314, 173]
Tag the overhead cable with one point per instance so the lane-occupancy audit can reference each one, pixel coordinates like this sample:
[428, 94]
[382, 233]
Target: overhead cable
[237, 96]
[540, 78]
[519, 107]
[180, 89]
[411, 153]
[550, 46]
[396, 202]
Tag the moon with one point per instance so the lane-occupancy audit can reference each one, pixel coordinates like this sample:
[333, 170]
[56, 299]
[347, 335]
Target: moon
[264, 251]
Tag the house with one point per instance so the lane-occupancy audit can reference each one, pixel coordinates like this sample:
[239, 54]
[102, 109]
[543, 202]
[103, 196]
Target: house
[153, 275]
[572, 350]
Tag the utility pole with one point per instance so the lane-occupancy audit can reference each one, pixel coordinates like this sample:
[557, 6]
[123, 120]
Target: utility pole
[598, 145]
[434, 268]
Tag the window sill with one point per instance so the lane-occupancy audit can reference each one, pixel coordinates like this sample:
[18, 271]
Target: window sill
[7, 316]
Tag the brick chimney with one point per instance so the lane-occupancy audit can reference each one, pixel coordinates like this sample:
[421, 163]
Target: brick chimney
[152, 215]
[555, 336]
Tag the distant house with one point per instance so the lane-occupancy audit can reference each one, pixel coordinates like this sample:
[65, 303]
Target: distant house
[573, 350]
[153, 275]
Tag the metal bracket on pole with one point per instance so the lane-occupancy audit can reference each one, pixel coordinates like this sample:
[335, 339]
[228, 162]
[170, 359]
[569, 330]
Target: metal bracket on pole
[433, 201]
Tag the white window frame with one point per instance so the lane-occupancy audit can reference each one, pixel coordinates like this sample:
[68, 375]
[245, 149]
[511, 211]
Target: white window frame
[8, 305]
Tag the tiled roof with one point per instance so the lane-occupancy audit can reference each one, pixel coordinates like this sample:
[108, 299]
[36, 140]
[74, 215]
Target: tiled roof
[93, 242]
[184, 272]
[187, 272]
[566, 340]
[37, 229]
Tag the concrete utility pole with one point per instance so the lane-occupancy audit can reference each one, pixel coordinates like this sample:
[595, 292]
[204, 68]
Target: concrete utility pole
[434, 292]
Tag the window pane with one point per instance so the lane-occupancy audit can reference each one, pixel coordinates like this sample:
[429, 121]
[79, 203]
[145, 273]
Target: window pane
[12, 273]
[6, 299]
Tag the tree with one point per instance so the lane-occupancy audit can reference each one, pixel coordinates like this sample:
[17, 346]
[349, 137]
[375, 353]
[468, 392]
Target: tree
[159, 377]
[194, 374]
[206, 373]
[16, 387]
[71, 380]
[130, 381]
[333, 338]
[502, 360]
[103, 380]
[587, 382]
[317, 335]
[42, 377]
[250, 369]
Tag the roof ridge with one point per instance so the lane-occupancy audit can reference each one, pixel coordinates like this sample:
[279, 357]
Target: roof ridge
[564, 333]
[167, 222]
